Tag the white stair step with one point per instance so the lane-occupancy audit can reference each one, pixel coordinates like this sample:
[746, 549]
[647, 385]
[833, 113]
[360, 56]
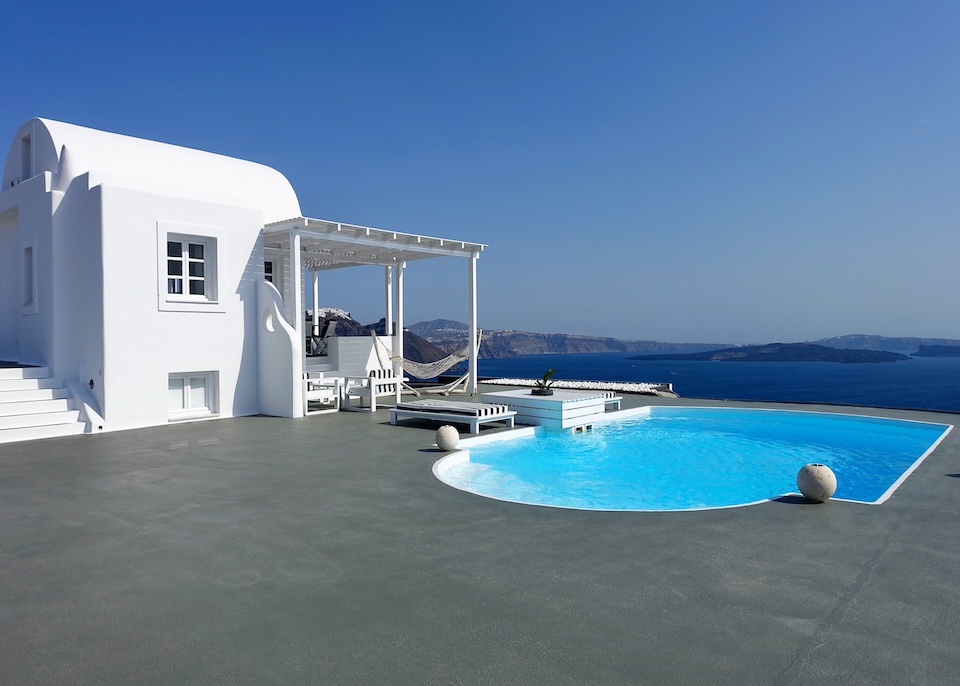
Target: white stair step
[30, 395]
[42, 419]
[35, 432]
[29, 384]
[34, 407]
[23, 373]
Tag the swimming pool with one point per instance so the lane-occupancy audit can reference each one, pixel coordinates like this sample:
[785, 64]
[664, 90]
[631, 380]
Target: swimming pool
[669, 458]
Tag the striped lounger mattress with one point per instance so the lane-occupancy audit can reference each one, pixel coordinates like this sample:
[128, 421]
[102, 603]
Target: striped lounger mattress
[473, 414]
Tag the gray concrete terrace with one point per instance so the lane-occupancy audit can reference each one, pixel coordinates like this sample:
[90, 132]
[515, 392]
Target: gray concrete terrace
[323, 550]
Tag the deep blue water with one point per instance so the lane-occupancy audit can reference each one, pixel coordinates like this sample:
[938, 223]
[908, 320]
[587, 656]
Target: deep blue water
[929, 383]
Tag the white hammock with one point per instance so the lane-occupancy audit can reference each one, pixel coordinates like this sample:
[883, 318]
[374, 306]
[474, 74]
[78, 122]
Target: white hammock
[427, 370]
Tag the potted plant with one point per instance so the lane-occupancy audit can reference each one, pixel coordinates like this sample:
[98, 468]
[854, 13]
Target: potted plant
[544, 385]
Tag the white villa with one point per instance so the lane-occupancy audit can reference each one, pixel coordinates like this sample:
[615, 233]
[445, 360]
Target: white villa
[143, 283]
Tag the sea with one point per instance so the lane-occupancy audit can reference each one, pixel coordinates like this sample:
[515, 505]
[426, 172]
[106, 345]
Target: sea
[921, 383]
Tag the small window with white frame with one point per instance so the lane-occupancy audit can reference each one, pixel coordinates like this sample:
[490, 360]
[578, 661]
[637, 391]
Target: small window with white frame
[190, 267]
[192, 395]
[186, 266]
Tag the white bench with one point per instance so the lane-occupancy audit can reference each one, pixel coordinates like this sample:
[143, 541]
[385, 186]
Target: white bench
[472, 414]
[380, 383]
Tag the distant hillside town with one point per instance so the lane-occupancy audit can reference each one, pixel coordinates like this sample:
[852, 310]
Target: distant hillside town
[497, 343]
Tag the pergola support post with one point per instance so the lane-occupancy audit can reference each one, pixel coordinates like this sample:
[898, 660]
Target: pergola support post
[472, 333]
[398, 351]
[388, 285]
[296, 276]
[315, 279]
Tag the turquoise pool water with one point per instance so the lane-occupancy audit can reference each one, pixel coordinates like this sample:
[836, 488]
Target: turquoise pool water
[694, 458]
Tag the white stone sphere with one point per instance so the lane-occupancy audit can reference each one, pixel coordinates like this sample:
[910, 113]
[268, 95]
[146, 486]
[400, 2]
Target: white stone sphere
[447, 437]
[817, 482]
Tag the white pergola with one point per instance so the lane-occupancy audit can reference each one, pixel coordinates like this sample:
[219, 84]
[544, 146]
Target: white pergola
[319, 245]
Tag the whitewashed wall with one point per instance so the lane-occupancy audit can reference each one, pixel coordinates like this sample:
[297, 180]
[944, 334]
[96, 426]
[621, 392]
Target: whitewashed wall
[77, 344]
[147, 343]
[94, 206]
[10, 283]
[28, 212]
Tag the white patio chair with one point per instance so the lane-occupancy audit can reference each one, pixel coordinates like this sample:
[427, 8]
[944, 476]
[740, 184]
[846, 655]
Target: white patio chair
[324, 393]
[380, 383]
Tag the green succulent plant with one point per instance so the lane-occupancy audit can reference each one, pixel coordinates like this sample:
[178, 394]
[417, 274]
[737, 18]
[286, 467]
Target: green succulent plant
[545, 383]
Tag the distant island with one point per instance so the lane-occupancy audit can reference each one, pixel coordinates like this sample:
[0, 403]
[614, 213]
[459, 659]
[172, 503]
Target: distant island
[430, 340]
[902, 344]
[451, 335]
[783, 352]
[938, 351]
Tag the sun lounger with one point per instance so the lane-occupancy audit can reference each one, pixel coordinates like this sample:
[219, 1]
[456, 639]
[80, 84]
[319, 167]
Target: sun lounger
[455, 412]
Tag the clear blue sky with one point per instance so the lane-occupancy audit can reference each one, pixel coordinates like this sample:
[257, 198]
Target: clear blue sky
[681, 171]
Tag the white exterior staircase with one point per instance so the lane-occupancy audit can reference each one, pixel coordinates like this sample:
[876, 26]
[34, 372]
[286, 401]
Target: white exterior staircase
[34, 405]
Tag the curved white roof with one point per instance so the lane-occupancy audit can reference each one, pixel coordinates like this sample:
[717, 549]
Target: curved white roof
[154, 166]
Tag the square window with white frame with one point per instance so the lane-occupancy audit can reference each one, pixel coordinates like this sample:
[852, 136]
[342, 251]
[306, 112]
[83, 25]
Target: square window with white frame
[187, 266]
[190, 275]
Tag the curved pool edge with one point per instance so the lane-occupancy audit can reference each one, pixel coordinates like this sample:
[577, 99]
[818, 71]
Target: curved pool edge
[463, 455]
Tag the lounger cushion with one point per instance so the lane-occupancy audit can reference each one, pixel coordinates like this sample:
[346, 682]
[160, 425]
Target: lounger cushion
[453, 407]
